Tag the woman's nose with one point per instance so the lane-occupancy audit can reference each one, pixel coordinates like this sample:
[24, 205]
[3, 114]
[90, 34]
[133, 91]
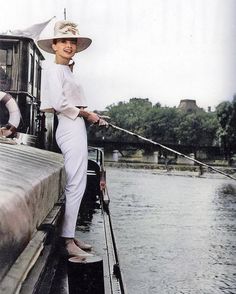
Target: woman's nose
[68, 43]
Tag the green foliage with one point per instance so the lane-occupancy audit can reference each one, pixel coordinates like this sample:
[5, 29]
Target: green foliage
[226, 115]
[161, 124]
[128, 115]
[169, 125]
[166, 125]
[197, 129]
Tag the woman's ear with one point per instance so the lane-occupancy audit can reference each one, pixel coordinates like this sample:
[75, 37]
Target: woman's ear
[54, 47]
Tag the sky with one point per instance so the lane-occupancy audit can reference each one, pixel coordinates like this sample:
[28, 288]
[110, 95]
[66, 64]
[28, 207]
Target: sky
[164, 50]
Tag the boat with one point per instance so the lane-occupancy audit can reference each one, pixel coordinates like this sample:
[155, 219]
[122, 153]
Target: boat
[32, 179]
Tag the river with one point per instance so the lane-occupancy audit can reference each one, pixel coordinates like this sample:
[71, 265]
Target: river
[174, 233]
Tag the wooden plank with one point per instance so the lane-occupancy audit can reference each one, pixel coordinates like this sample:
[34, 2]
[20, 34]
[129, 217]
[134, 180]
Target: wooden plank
[11, 284]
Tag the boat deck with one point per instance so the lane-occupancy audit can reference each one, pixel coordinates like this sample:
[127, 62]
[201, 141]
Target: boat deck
[94, 230]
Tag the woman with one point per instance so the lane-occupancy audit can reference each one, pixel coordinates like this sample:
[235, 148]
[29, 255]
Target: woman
[61, 93]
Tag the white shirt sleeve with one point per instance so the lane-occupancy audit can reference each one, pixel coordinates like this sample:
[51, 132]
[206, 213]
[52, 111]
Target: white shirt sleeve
[52, 93]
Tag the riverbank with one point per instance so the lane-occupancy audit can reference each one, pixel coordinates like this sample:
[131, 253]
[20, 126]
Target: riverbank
[174, 169]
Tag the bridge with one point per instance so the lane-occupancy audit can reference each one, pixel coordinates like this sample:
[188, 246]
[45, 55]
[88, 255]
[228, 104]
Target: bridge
[210, 151]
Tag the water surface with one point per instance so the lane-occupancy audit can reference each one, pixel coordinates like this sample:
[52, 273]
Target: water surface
[175, 234]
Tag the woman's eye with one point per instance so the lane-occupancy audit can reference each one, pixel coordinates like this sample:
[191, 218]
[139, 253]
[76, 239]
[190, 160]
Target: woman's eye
[62, 41]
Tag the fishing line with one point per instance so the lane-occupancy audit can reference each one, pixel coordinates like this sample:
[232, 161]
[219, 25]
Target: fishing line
[172, 150]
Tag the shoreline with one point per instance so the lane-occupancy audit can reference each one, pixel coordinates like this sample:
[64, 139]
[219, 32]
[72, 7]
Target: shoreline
[174, 169]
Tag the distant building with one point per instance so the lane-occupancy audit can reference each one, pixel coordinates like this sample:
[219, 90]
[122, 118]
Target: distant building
[189, 105]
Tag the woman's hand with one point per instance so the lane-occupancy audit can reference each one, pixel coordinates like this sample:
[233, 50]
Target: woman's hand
[102, 122]
[89, 116]
[93, 118]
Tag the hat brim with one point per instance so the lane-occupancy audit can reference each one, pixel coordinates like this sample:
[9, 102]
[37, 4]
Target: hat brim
[82, 43]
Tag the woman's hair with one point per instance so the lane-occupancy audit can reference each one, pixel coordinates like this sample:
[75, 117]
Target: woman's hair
[54, 41]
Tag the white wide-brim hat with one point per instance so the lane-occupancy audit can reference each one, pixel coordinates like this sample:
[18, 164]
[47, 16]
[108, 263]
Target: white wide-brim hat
[65, 30]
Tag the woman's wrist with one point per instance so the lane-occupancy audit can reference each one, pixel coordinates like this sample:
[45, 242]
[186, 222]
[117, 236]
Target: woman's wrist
[83, 113]
[91, 117]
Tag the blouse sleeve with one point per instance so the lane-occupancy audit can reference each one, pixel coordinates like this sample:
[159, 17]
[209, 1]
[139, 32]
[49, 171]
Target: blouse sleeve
[52, 93]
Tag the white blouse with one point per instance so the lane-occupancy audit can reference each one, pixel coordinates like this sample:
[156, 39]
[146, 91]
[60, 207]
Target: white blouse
[60, 91]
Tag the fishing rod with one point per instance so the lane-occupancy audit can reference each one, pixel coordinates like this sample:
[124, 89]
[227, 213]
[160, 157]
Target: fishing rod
[171, 150]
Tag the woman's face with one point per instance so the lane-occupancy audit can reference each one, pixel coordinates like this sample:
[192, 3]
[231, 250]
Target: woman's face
[64, 49]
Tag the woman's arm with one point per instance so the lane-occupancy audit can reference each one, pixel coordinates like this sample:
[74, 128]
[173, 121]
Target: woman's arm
[89, 116]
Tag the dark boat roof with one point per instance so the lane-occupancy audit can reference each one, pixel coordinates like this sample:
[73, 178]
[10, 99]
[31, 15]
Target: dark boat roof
[14, 38]
[6, 36]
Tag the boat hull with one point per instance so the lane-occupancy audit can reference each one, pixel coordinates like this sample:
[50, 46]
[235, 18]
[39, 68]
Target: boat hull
[31, 180]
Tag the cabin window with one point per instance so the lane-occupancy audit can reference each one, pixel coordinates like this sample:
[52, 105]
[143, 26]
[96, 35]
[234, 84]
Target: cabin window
[31, 69]
[36, 74]
[37, 77]
[5, 79]
[6, 56]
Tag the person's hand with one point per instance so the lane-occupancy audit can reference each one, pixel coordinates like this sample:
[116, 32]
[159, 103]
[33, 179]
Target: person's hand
[4, 132]
[8, 130]
[103, 123]
[93, 118]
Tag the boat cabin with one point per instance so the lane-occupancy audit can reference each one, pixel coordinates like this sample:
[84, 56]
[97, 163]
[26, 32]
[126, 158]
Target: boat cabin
[20, 76]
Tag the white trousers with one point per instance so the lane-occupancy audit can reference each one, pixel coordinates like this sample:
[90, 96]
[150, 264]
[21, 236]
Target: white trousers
[71, 137]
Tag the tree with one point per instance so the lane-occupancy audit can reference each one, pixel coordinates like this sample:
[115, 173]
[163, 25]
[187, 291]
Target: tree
[197, 129]
[226, 115]
[128, 115]
[161, 124]
[166, 125]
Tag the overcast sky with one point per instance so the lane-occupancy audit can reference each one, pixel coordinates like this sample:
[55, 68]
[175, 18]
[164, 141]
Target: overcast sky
[164, 50]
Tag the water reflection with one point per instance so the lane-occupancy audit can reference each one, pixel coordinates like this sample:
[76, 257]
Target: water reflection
[175, 234]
